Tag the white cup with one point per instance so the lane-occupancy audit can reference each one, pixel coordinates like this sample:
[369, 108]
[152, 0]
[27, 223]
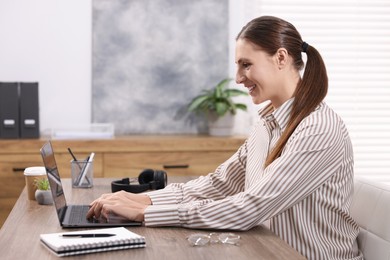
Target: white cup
[31, 174]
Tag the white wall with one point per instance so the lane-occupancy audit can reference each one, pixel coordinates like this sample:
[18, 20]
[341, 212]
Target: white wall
[49, 41]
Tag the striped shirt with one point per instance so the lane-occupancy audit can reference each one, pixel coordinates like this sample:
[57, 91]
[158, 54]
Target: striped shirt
[305, 193]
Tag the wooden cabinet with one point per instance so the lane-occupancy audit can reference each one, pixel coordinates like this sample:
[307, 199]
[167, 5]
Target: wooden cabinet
[119, 157]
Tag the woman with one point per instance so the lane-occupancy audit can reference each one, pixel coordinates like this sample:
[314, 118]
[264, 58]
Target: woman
[295, 169]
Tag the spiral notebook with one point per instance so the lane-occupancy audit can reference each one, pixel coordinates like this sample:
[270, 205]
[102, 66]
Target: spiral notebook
[91, 241]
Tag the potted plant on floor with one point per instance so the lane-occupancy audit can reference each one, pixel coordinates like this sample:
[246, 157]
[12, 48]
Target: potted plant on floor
[218, 106]
[43, 193]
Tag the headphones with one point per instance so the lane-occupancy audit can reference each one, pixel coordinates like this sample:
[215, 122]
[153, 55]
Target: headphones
[148, 179]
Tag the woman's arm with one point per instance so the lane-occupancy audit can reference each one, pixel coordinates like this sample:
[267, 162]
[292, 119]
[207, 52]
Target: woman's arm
[228, 179]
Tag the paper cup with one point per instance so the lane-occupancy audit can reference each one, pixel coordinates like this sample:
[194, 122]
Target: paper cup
[30, 175]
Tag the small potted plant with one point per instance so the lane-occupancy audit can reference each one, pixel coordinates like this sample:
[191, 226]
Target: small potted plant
[219, 108]
[43, 193]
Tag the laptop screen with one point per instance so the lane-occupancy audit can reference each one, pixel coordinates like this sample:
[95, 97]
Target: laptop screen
[54, 179]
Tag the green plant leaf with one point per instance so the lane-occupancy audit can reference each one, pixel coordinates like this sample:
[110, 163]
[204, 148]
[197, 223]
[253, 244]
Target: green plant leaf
[42, 184]
[196, 103]
[221, 108]
[218, 92]
[232, 107]
[223, 83]
[219, 89]
[241, 106]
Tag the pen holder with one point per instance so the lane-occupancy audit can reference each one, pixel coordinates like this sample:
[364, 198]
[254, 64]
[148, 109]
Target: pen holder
[82, 174]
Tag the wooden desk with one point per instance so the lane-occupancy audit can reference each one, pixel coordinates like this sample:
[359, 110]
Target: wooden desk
[19, 236]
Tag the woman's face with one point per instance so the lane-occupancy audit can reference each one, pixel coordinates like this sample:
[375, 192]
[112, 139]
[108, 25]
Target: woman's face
[259, 72]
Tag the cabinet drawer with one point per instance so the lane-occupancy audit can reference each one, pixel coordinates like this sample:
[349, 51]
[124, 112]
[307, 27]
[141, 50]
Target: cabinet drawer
[175, 164]
[17, 163]
[11, 173]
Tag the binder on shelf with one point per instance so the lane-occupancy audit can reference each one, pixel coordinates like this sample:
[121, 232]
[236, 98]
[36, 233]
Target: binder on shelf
[9, 110]
[29, 110]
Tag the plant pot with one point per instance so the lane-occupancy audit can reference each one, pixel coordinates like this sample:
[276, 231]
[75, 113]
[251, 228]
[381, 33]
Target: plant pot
[221, 126]
[44, 197]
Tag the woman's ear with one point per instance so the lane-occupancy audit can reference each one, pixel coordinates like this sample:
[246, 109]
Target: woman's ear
[281, 57]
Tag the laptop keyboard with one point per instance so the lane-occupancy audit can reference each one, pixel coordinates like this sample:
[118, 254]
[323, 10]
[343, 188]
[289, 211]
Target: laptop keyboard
[78, 214]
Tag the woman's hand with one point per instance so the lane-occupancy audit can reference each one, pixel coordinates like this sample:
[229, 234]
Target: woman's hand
[125, 204]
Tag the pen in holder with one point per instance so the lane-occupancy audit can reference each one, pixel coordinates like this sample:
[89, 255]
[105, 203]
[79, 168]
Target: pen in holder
[82, 172]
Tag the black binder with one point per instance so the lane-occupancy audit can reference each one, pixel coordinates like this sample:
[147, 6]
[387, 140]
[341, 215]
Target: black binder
[9, 110]
[29, 110]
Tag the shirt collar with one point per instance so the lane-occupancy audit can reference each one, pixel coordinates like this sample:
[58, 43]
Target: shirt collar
[280, 115]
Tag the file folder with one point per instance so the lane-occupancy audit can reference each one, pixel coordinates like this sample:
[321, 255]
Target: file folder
[29, 110]
[9, 110]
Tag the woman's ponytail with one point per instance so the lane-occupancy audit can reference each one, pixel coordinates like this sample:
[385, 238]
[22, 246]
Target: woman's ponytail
[309, 93]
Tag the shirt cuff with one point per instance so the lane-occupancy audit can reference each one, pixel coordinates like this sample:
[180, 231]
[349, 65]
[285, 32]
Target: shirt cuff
[165, 196]
[162, 215]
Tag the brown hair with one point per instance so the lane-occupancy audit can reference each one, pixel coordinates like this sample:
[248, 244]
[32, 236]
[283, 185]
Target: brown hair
[270, 34]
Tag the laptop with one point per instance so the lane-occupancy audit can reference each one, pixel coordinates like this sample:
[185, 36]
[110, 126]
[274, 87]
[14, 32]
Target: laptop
[73, 215]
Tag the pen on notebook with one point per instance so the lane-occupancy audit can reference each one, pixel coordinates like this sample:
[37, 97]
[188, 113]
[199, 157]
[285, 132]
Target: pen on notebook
[88, 235]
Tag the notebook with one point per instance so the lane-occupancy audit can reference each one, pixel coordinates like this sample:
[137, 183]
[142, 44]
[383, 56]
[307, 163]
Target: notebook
[73, 215]
[85, 242]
